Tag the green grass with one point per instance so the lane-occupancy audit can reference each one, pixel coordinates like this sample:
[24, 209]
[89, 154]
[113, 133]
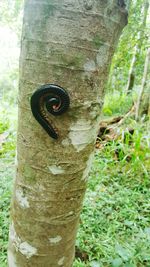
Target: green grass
[115, 221]
[115, 228]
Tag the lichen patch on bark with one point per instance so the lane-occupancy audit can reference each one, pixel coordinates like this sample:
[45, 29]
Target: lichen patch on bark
[66, 142]
[81, 134]
[24, 247]
[88, 164]
[22, 200]
[90, 66]
[54, 169]
[61, 261]
[55, 240]
[102, 55]
[27, 250]
[13, 237]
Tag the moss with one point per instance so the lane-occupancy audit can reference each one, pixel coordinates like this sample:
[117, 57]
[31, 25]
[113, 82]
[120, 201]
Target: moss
[97, 41]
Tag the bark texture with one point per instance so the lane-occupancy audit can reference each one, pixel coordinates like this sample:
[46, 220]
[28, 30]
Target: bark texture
[69, 43]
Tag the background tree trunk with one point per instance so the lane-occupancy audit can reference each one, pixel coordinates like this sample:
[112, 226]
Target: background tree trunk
[142, 106]
[69, 43]
[137, 48]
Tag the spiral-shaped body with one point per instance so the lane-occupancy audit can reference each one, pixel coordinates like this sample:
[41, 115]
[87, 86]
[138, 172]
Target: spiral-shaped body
[49, 98]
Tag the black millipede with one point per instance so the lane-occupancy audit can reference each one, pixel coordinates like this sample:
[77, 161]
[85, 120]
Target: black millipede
[49, 98]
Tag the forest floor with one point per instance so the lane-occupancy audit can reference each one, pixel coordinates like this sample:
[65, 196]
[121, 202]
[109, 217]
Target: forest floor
[115, 221]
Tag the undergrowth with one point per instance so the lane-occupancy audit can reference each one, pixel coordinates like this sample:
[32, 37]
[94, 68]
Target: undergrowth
[117, 103]
[115, 222]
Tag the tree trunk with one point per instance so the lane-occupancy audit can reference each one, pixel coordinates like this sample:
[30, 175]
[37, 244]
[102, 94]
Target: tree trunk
[142, 106]
[69, 43]
[137, 48]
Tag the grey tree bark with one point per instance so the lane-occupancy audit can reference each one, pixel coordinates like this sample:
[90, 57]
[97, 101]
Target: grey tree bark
[69, 43]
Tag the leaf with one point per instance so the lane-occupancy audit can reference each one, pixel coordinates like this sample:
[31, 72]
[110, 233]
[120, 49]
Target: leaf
[117, 262]
[128, 223]
[95, 264]
[122, 252]
[147, 231]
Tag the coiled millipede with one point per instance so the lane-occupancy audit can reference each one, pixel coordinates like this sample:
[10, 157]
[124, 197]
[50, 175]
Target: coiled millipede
[49, 99]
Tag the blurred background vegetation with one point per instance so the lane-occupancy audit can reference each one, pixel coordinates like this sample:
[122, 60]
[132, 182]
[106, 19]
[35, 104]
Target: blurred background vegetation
[115, 222]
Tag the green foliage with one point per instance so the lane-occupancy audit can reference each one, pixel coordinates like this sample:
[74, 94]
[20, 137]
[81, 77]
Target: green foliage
[4, 126]
[116, 104]
[9, 54]
[10, 12]
[125, 50]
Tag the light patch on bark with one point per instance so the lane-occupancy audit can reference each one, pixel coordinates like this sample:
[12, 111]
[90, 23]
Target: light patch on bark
[61, 261]
[13, 237]
[70, 213]
[87, 104]
[55, 240]
[95, 114]
[11, 259]
[66, 142]
[22, 200]
[102, 56]
[90, 66]
[88, 163]
[54, 169]
[27, 250]
[81, 134]
[16, 160]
